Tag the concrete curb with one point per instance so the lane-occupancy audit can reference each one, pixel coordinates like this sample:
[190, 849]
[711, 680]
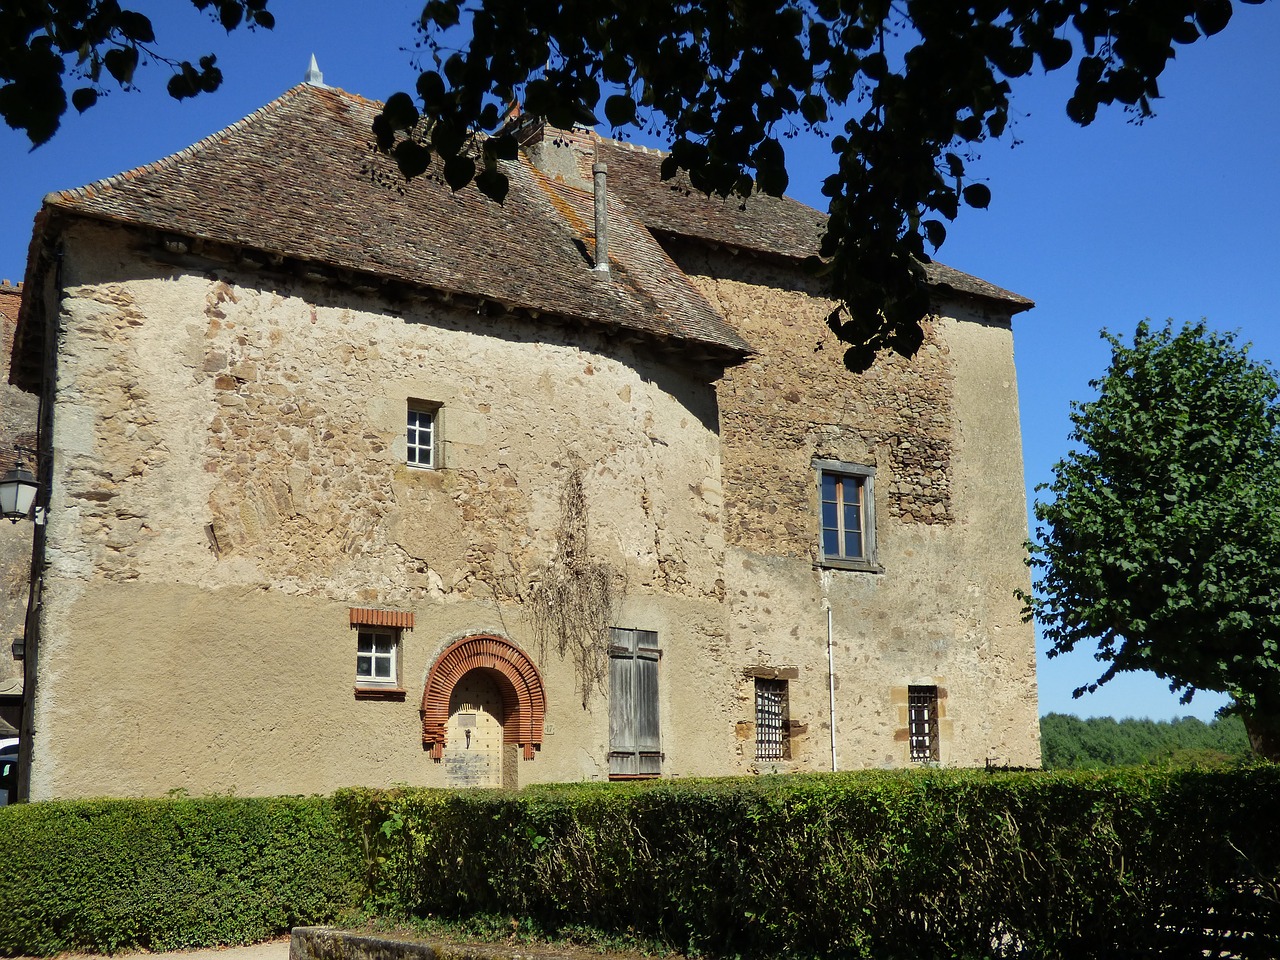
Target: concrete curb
[326, 943]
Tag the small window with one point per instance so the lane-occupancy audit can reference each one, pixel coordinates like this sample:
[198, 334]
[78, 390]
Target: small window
[635, 747]
[922, 723]
[847, 515]
[772, 742]
[422, 435]
[377, 657]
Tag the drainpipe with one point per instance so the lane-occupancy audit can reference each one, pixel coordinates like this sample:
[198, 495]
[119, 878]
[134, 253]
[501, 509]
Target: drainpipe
[831, 681]
[598, 171]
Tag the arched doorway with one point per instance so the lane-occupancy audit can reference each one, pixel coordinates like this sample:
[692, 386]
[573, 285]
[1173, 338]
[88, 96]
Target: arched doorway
[488, 686]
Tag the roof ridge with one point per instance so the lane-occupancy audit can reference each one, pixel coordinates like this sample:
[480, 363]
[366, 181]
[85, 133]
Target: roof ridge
[635, 147]
[89, 190]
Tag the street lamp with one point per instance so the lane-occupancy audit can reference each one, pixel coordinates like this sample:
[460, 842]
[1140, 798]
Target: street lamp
[17, 493]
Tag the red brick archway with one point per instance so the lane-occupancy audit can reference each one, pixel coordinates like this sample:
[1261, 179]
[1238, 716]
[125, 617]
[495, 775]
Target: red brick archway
[524, 703]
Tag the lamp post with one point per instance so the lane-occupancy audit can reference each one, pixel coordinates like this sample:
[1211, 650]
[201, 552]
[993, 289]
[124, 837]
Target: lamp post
[17, 493]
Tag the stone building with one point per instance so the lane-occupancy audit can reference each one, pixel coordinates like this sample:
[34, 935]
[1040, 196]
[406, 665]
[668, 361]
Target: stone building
[17, 434]
[354, 481]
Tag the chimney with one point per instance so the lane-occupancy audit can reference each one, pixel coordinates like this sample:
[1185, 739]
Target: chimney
[598, 171]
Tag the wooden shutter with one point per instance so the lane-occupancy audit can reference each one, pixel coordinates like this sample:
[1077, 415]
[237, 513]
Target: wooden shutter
[635, 742]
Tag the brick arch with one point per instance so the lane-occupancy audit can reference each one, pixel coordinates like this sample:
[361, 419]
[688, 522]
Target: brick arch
[524, 703]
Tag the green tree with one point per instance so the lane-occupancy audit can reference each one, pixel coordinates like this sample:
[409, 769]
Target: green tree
[1071, 743]
[49, 46]
[905, 91]
[1161, 544]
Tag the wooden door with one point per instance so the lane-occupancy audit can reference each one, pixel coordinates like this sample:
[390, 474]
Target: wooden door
[473, 755]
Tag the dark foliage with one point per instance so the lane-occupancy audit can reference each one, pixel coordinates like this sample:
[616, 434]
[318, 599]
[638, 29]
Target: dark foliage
[905, 92]
[50, 49]
[909, 864]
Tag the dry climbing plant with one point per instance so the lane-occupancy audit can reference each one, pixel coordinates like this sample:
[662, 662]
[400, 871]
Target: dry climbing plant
[577, 599]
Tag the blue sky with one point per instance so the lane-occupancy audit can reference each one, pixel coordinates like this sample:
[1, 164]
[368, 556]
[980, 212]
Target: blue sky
[1103, 226]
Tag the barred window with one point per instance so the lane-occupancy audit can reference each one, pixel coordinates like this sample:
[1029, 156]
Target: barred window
[772, 742]
[922, 723]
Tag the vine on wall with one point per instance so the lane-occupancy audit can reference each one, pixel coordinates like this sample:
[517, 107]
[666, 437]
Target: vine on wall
[577, 599]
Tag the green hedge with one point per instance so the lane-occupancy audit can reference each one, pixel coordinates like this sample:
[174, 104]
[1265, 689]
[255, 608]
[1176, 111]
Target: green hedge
[913, 864]
[907, 864]
[106, 875]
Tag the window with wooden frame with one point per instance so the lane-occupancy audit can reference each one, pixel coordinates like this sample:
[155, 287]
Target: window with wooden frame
[635, 744]
[422, 435]
[846, 503]
[772, 720]
[922, 723]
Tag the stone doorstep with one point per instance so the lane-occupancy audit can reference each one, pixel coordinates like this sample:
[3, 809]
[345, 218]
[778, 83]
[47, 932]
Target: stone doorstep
[327, 943]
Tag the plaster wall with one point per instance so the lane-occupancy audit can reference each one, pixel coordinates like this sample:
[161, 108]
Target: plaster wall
[942, 432]
[230, 479]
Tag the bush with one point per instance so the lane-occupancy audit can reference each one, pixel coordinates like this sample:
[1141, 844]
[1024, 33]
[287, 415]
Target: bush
[107, 875]
[1133, 862]
[915, 864]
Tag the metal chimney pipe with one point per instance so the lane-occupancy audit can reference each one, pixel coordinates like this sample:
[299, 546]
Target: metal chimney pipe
[598, 171]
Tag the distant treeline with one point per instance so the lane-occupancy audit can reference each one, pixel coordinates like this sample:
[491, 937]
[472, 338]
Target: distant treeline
[1070, 743]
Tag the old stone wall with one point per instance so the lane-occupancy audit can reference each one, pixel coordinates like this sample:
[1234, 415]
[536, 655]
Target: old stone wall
[231, 479]
[17, 428]
[942, 432]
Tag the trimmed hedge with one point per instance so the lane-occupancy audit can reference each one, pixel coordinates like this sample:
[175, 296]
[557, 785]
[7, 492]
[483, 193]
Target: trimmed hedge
[107, 875]
[915, 864]
[903, 864]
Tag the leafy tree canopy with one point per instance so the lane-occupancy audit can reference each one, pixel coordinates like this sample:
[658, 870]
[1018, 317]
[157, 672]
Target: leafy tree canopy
[51, 47]
[1161, 544]
[904, 90]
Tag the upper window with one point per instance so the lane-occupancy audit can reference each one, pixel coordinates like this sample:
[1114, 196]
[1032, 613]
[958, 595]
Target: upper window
[847, 506]
[635, 748]
[422, 435]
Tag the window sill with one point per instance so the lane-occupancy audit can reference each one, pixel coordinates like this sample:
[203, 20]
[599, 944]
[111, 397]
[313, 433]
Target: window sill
[380, 693]
[838, 563]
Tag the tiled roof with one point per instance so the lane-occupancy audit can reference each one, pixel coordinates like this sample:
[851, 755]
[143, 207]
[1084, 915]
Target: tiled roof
[765, 224]
[299, 178]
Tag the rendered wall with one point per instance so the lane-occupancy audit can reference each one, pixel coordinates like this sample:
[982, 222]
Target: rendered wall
[942, 431]
[230, 481]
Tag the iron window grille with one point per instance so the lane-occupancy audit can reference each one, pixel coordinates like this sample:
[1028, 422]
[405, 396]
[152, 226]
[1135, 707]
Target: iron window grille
[922, 723]
[771, 720]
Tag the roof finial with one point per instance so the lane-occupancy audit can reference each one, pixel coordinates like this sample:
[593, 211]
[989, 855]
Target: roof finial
[314, 76]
